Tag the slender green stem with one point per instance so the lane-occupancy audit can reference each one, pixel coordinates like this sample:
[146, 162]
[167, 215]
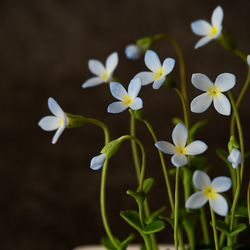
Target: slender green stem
[240, 54]
[176, 217]
[216, 243]
[204, 226]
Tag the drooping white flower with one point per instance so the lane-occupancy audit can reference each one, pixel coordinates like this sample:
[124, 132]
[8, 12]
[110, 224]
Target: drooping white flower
[126, 99]
[98, 161]
[102, 73]
[209, 192]
[223, 83]
[158, 71]
[207, 30]
[133, 51]
[248, 60]
[59, 121]
[235, 158]
[179, 150]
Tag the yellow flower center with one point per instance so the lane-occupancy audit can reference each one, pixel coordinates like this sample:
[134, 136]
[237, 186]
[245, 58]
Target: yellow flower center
[214, 91]
[158, 74]
[105, 76]
[127, 100]
[181, 150]
[210, 193]
[214, 30]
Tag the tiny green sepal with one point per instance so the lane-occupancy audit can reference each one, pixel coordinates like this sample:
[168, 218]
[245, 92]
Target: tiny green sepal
[232, 143]
[138, 114]
[111, 148]
[169, 82]
[133, 218]
[75, 121]
[154, 227]
[226, 41]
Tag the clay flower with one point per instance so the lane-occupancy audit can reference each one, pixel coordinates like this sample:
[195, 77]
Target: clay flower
[59, 121]
[126, 99]
[207, 30]
[223, 83]
[102, 73]
[159, 71]
[98, 161]
[209, 192]
[179, 150]
[235, 158]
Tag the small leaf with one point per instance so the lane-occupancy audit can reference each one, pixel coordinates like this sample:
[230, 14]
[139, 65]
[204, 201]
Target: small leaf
[168, 219]
[107, 243]
[138, 196]
[126, 242]
[241, 212]
[154, 227]
[227, 248]
[222, 226]
[147, 185]
[197, 127]
[155, 215]
[191, 219]
[239, 228]
[132, 217]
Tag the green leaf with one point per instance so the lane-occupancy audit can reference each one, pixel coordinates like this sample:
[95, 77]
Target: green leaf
[155, 215]
[239, 228]
[177, 120]
[138, 196]
[222, 226]
[154, 227]
[196, 128]
[241, 212]
[126, 242]
[132, 217]
[168, 219]
[191, 219]
[227, 248]
[107, 243]
[147, 185]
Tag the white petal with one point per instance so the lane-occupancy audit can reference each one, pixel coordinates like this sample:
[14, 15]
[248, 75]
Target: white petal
[217, 17]
[117, 90]
[248, 60]
[136, 104]
[157, 84]
[94, 81]
[57, 134]
[54, 107]
[222, 105]
[225, 81]
[196, 147]
[179, 135]
[146, 77]
[96, 67]
[117, 107]
[201, 81]
[166, 147]
[201, 179]
[98, 161]
[221, 184]
[132, 51]
[201, 103]
[112, 62]
[152, 60]
[203, 41]
[134, 87]
[235, 158]
[196, 200]
[201, 27]
[219, 205]
[49, 123]
[168, 66]
[179, 160]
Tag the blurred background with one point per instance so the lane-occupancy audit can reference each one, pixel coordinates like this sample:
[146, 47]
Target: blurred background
[49, 196]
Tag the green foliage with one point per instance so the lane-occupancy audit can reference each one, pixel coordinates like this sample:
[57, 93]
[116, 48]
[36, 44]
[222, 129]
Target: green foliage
[153, 227]
[133, 219]
[107, 243]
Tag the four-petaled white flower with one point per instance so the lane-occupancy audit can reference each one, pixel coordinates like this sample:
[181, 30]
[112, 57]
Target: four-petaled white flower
[223, 83]
[59, 121]
[126, 99]
[132, 51]
[179, 149]
[102, 73]
[207, 30]
[209, 192]
[235, 158]
[159, 71]
[98, 161]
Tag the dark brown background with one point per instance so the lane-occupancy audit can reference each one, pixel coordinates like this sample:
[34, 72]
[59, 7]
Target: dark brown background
[49, 196]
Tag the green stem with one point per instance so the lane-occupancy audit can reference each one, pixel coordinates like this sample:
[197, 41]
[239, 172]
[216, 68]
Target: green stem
[176, 217]
[204, 226]
[214, 229]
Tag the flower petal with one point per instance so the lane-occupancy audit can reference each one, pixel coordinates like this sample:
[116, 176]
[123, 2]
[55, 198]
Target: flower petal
[152, 60]
[201, 27]
[222, 104]
[96, 67]
[98, 161]
[93, 81]
[111, 62]
[166, 147]
[157, 84]
[201, 179]
[117, 90]
[203, 41]
[219, 205]
[179, 160]
[225, 81]
[57, 134]
[201, 81]
[134, 87]
[168, 65]
[248, 60]
[217, 17]
[136, 104]
[221, 184]
[146, 77]
[133, 51]
[235, 158]
[49, 123]
[54, 107]
[117, 107]
[196, 200]
[195, 147]
[201, 103]
[179, 135]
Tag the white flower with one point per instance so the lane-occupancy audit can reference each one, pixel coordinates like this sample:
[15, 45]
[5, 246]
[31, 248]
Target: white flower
[223, 83]
[207, 30]
[59, 121]
[159, 71]
[235, 158]
[179, 149]
[98, 161]
[248, 60]
[209, 192]
[126, 99]
[133, 51]
[102, 73]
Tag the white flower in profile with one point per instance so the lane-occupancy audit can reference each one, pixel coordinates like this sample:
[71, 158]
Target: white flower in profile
[223, 82]
[103, 74]
[235, 158]
[132, 51]
[209, 192]
[59, 121]
[159, 71]
[126, 99]
[248, 60]
[98, 161]
[207, 30]
[179, 150]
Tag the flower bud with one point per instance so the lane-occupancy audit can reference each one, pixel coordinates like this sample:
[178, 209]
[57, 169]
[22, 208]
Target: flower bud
[111, 148]
[138, 114]
[232, 143]
[133, 51]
